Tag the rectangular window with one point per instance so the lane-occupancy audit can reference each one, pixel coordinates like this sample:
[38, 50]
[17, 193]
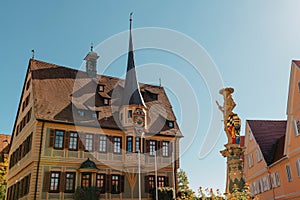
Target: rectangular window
[105, 101]
[54, 181]
[89, 142]
[59, 139]
[86, 179]
[165, 148]
[101, 88]
[129, 116]
[152, 147]
[151, 182]
[298, 167]
[250, 160]
[258, 155]
[70, 182]
[129, 144]
[297, 127]
[137, 144]
[100, 182]
[102, 143]
[115, 184]
[73, 141]
[161, 181]
[117, 144]
[288, 172]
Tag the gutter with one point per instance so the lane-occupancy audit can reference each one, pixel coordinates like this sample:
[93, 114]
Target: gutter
[39, 162]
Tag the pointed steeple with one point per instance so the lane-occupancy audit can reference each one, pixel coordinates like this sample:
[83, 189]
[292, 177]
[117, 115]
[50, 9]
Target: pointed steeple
[131, 94]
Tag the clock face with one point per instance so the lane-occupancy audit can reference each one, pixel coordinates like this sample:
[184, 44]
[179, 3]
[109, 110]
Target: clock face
[139, 121]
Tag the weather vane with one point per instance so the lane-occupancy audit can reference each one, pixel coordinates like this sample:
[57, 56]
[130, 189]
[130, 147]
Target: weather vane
[32, 51]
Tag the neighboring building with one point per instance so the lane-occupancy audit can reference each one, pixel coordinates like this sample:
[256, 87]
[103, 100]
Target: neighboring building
[77, 129]
[4, 146]
[272, 157]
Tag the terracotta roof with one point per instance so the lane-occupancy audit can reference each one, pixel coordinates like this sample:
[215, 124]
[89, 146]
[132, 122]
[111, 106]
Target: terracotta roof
[270, 136]
[59, 90]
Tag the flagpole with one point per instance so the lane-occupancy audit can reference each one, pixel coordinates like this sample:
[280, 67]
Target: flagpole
[156, 192]
[173, 166]
[139, 157]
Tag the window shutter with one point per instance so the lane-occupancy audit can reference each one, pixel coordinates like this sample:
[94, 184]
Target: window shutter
[46, 182]
[108, 183]
[62, 181]
[122, 182]
[81, 140]
[96, 142]
[51, 140]
[170, 149]
[147, 146]
[121, 144]
[167, 181]
[67, 139]
[147, 184]
[144, 150]
[110, 143]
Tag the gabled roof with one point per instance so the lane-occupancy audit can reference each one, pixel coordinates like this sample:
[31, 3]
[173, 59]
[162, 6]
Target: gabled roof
[59, 91]
[270, 136]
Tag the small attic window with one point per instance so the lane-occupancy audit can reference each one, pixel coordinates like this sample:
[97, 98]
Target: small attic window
[170, 124]
[105, 101]
[81, 113]
[298, 86]
[100, 88]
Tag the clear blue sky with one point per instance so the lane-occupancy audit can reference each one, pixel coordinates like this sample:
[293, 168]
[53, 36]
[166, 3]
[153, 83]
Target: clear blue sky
[252, 44]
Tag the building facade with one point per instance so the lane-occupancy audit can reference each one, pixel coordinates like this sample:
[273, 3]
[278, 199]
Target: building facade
[272, 157]
[78, 133]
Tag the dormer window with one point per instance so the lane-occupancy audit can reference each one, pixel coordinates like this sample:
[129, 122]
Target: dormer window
[81, 113]
[105, 101]
[100, 88]
[170, 124]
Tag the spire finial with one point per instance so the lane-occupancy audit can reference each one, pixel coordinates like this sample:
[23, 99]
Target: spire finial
[92, 46]
[130, 19]
[32, 51]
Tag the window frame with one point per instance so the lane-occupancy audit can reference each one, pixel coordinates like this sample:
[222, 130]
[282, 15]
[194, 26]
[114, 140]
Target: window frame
[102, 143]
[117, 145]
[289, 172]
[89, 142]
[152, 147]
[117, 182]
[72, 142]
[56, 182]
[129, 144]
[62, 137]
[83, 179]
[165, 149]
[138, 144]
[101, 181]
[73, 182]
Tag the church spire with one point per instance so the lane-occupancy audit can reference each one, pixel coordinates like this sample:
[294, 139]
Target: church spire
[132, 94]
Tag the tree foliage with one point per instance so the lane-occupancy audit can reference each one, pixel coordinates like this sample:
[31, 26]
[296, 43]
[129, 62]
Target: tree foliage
[184, 192]
[3, 172]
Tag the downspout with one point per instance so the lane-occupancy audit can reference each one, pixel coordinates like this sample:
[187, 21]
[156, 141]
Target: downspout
[39, 161]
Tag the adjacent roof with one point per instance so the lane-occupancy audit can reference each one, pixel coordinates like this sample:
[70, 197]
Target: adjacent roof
[60, 93]
[4, 143]
[270, 136]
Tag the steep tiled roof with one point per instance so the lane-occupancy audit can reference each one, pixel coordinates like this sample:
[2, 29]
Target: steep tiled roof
[270, 136]
[58, 91]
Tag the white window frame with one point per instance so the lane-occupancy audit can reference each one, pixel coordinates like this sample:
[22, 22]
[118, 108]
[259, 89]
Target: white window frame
[289, 173]
[258, 155]
[297, 126]
[298, 167]
[102, 143]
[89, 142]
[250, 160]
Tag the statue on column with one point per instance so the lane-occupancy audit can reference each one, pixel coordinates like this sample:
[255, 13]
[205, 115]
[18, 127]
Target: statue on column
[232, 123]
